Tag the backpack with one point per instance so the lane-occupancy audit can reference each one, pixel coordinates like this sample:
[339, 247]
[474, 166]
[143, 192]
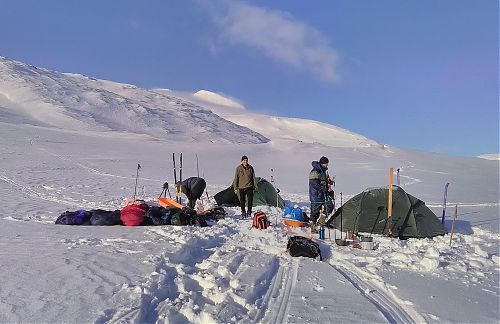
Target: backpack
[296, 214]
[302, 246]
[260, 221]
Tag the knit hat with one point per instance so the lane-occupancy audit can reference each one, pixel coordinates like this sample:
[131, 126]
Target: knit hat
[323, 160]
[244, 157]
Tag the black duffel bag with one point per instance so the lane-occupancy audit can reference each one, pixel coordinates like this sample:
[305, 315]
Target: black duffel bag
[302, 246]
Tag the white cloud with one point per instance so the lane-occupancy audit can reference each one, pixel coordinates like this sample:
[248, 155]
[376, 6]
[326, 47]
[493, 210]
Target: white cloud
[277, 35]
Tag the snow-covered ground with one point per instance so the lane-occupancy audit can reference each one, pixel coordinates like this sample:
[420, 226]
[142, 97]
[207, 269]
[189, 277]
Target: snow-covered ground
[59, 154]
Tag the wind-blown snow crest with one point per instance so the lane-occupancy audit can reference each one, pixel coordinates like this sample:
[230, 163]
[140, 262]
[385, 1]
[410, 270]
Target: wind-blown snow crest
[493, 157]
[75, 102]
[218, 99]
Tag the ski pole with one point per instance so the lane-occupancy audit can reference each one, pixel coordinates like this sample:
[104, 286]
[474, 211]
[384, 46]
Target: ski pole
[197, 167]
[453, 223]
[444, 201]
[274, 185]
[136, 178]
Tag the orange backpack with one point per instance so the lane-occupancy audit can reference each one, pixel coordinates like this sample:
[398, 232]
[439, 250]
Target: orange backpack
[260, 220]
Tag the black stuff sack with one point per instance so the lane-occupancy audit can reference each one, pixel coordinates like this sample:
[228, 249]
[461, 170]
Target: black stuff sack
[304, 247]
[79, 217]
[105, 217]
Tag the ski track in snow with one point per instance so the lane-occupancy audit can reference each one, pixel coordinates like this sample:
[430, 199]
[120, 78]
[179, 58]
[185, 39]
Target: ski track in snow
[377, 292]
[90, 169]
[286, 279]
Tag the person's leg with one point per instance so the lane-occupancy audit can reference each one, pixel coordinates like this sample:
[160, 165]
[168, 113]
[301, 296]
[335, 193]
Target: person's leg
[242, 202]
[192, 202]
[315, 210]
[250, 201]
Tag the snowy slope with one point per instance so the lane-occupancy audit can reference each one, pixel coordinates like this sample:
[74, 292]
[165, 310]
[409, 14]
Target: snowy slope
[226, 272]
[494, 157]
[75, 102]
[282, 128]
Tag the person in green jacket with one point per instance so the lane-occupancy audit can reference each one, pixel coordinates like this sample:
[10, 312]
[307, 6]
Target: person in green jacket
[244, 185]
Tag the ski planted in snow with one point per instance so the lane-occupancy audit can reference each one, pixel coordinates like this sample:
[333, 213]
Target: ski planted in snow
[175, 180]
[180, 180]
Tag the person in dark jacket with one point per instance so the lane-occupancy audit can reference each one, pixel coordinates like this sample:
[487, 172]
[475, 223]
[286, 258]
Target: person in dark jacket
[193, 188]
[245, 184]
[320, 190]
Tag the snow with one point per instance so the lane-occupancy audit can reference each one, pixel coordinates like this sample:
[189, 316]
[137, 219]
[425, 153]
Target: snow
[70, 142]
[494, 157]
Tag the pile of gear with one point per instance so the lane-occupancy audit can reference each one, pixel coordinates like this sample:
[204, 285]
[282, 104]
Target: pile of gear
[138, 213]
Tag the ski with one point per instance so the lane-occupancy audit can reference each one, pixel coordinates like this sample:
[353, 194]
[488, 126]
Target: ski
[180, 180]
[175, 180]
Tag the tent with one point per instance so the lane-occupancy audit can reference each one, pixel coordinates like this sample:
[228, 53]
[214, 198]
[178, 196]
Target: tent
[367, 212]
[266, 195]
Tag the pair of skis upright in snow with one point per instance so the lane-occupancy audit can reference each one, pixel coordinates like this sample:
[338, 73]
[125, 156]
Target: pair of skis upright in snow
[178, 197]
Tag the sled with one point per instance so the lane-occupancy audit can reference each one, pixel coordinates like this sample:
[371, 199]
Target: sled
[166, 202]
[294, 223]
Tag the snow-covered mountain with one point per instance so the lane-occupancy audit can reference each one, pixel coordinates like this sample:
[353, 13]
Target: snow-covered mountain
[75, 102]
[283, 128]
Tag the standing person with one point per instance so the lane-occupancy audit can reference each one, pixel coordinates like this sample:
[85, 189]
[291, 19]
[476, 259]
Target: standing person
[244, 184]
[320, 190]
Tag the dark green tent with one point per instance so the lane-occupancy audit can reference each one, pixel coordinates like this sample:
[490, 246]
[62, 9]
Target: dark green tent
[265, 196]
[367, 212]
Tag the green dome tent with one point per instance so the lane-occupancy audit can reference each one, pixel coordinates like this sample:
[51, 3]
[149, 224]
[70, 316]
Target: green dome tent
[265, 196]
[367, 212]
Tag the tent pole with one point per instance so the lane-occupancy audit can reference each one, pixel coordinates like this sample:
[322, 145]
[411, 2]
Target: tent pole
[453, 223]
[389, 203]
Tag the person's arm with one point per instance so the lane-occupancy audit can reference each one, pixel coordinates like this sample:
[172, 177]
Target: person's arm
[235, 181]
[254, 181]
[315, 182]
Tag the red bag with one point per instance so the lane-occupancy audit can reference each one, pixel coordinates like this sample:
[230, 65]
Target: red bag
[132, 215]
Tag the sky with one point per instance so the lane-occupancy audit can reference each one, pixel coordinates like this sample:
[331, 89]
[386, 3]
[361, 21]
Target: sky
[413, 74]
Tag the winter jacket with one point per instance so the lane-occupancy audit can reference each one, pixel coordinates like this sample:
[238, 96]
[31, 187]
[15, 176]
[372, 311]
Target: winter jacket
[193, 187]
[244, 178]
[318, 183]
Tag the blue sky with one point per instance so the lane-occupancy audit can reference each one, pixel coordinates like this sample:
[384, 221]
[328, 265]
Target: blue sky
[419, 74]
